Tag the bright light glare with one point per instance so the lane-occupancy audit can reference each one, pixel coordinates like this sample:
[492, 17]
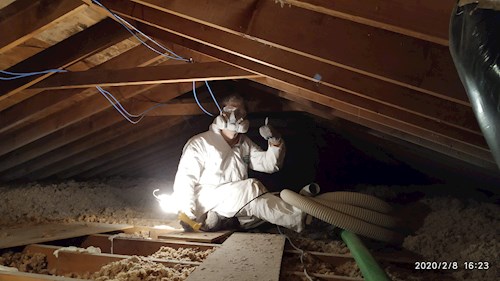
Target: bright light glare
[167, 202]
[164, 227]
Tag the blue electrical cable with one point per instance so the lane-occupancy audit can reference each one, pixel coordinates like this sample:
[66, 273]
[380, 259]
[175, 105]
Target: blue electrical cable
[17, 75]
[199, 104]
[106, 93]
[130, 28]
[117, 105]
[213, 97]
[123, 22]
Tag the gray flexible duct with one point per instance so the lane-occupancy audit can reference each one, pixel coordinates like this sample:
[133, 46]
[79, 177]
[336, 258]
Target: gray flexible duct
[358, 199]
[369, 216]
[340, 219]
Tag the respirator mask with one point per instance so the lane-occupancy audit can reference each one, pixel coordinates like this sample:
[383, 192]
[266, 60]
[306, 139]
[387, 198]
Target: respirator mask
[232, 119]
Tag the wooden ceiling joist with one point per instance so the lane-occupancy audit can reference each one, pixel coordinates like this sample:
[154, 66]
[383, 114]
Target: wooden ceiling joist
[178, 73]
[27, 18]
[48, 102]
[356, 47]
[83, 128]
[65, 53]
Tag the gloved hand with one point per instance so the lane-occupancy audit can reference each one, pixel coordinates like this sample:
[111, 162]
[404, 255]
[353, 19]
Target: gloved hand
[189, 222]
[186, 227]
[269, 133]
[211, 221]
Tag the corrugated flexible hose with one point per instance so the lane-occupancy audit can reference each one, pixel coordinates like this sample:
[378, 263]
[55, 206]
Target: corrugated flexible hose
[358, 199]
[340, 219]
[367, 215]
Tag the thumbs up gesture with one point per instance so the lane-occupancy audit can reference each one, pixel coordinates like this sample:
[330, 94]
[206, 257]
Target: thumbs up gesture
[269, 133]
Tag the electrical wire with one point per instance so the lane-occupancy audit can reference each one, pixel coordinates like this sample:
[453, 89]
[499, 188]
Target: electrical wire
[18, 75]
[213, 97]
[117, 105]
[301, 253]
[250, 202]
[130, 28]
[198, 102]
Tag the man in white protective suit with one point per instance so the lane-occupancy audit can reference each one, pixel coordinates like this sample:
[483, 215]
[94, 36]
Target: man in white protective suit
[212, 177]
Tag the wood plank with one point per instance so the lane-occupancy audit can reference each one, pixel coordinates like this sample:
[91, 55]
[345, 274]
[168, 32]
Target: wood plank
[49, 102]
[48, 232]
[24, 276]
[32, 17]
[358, 47]
[243, 256]
[176, 234]
[82, 263]
[427, 20]
[137, 246]
[83, 128]
[144, 76]
[63, 54]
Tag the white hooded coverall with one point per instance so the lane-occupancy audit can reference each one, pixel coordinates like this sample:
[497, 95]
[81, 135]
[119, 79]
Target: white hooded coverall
[212, 176]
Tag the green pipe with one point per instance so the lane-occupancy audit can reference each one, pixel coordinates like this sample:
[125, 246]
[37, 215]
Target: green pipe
[369, 267]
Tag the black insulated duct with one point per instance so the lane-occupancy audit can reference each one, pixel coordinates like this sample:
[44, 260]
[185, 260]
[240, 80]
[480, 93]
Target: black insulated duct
[475, 48]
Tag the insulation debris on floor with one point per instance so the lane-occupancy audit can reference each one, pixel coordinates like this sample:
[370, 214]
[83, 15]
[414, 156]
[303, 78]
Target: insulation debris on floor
[449, 229]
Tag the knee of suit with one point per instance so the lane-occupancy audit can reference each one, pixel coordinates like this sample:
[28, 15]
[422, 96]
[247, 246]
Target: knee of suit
[258, 187]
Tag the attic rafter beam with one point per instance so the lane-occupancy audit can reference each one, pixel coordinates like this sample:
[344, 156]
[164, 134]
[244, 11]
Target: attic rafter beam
[359, 48]
[322, 91]
[299, 103]
[85, 160]
[48, 102]
[62, 143]
[243, 51]
[92, 40]
[144, 75]
[187, 109]
[427, 20]
[418, 135]
[27, 18]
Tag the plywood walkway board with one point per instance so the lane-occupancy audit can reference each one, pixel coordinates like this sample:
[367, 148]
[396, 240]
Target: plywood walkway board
[243, 256]
[204, 237]
[53, 231]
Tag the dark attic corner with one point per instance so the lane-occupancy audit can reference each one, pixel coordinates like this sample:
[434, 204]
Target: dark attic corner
[249, 140]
